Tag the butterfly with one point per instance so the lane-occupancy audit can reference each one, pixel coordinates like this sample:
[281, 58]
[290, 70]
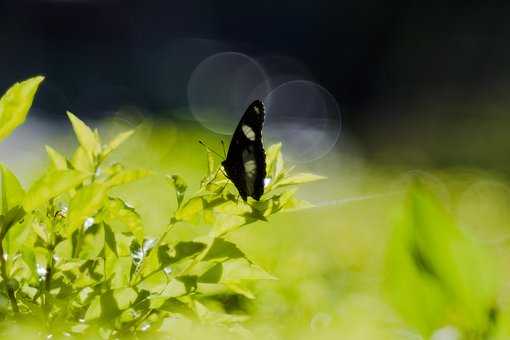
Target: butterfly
[245, 164]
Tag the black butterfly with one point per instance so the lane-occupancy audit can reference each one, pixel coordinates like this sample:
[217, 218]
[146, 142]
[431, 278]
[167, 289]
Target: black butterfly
[245, 165]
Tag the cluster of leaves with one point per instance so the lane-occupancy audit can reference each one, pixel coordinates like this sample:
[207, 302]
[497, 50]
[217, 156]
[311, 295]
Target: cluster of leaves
[75, 259]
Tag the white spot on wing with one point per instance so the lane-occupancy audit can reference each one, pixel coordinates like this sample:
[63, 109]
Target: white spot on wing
[250, 167]
[248, 132]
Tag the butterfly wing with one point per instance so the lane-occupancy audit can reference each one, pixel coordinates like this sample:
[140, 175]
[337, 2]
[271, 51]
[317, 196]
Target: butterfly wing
[246, 159]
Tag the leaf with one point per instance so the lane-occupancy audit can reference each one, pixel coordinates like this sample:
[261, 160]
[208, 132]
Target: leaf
[85, 204]
[212, 275]
[434, 268]
[12, 192]
[116, 142]
[28, 256]
[50, 185]
[124, 297]
[118, 214]
[190, 209]
[299, 179]
[126, 176]
[186, 249]
[15, 104]
[86, 137]
[274, 161]
[94, 311]
[180, 187]
[58, 161]
[82, 161]
[239, 269]
[222, 250]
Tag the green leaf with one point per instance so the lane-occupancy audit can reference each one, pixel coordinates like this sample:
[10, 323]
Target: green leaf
[274, 161]
[123, 218]
[434, 268]
[58, 161]
[82, 161]
[222, 250]
[212, 275]
[126, 176]
[87, 201]
[28, 255]
[239, 269]
[12, 192]
[94, 311]
[116, 142]
[50, 185]
[190, 209]
[180, 187]
[86, 137]
[15, 104]
[299, 179]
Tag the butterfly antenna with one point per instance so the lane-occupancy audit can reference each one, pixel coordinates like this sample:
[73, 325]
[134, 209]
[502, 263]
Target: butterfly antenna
[208, 148]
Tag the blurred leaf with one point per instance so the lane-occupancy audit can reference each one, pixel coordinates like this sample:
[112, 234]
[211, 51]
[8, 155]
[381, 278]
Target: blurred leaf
[12, 192]
[87, 201]
[58, 161]
[116, 142]
[15, 104]
[180, 187]
[86, 137]
[50, 185]
[434, 267]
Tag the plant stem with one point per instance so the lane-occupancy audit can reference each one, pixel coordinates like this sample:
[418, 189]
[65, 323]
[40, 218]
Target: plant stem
[171, 224]
[5, 277]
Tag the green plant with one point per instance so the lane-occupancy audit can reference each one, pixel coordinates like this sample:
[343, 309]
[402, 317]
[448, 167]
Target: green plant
[75, 260]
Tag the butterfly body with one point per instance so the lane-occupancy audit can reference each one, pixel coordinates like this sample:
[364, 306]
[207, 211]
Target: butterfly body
[245, 164]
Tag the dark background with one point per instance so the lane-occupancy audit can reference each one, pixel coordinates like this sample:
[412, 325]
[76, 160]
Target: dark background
[403, 74]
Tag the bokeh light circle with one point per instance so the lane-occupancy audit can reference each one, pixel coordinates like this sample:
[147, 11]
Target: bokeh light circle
[305, 117]
[222, 86]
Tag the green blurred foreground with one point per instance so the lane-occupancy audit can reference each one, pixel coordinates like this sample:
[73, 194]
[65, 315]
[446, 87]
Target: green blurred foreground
[384, 254]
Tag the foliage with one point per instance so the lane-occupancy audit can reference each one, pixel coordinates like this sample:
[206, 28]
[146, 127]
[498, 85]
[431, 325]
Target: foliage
[74, 258]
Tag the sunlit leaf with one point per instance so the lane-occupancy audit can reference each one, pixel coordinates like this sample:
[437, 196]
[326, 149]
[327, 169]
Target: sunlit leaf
[15, 104]
[82, 161]
[121, 217]
[235, 270]
[86, 137]
[299, 179]
[50, 185]
[190, 209]
[116, 142]
[87, 201]
[58, 161]
[126, 176]
[12, 192]
[222, 250]
[180, 187]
